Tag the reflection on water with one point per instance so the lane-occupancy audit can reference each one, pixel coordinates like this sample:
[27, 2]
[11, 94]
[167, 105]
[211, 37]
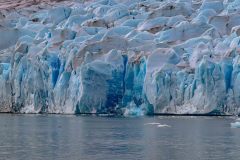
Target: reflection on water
[93, 138]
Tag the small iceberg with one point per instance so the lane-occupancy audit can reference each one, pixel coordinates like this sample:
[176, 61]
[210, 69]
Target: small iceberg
[163, 125]
[235, 125]
[159, 125]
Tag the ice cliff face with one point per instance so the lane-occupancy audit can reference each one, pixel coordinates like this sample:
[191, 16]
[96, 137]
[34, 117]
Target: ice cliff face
[122, 56]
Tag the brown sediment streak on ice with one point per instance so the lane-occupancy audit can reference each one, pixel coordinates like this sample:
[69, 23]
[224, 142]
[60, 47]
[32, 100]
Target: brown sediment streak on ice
[17, 4]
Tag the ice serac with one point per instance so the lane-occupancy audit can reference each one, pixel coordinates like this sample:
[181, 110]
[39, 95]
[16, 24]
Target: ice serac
[102, 84]
[121, 57]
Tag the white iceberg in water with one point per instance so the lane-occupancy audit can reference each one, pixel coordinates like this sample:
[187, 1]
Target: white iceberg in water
[163, 125]
[235, 125]
[159, 125]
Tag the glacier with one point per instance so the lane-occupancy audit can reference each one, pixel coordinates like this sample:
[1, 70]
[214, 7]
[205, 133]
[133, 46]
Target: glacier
[130, 57]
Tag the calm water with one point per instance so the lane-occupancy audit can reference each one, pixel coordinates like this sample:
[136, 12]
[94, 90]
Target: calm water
[91, 138]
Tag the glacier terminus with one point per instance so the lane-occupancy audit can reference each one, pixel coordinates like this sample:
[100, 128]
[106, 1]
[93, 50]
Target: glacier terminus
[131, 57]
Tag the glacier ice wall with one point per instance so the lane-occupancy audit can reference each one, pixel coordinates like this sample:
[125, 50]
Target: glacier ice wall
[122, 56]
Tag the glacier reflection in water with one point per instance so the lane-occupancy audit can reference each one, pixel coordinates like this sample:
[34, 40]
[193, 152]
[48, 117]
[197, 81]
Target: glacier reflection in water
[92, 138]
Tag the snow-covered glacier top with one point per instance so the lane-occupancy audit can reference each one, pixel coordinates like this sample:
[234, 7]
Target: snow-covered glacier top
[121, 56]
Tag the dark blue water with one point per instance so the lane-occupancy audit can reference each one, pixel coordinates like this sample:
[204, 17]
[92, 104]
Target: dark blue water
[58, 137]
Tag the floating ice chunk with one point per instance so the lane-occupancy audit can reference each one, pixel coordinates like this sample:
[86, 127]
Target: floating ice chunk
[235, 125]
[159, 125]
[163, 125]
